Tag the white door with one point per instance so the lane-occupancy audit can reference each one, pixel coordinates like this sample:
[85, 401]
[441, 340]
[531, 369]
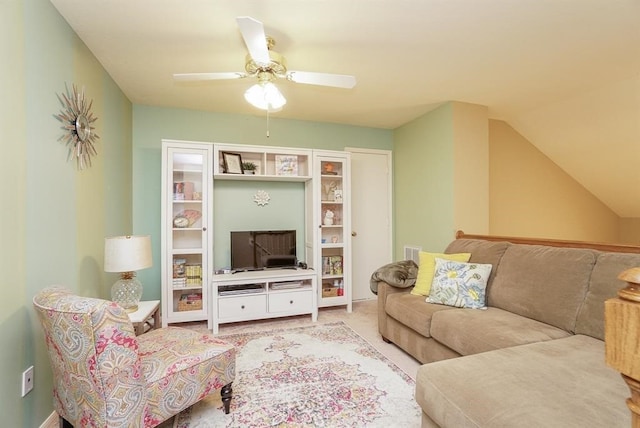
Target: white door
[371, 208]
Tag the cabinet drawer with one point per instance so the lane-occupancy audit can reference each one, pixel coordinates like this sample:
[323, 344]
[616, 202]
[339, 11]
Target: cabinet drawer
[298, 302]
[245, 306]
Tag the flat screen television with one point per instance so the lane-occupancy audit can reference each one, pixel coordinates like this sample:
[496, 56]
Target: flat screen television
[263, 249]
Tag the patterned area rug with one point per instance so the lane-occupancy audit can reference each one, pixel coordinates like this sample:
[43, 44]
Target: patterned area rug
[325, 375]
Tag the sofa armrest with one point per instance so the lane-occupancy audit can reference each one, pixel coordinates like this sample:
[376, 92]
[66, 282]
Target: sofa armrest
[384, 291]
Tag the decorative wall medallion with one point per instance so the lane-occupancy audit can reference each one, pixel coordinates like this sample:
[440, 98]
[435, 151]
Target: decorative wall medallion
[77, 122]
[261, 198]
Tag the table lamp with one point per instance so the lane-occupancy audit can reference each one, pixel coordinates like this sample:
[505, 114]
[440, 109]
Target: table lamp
[126, 254]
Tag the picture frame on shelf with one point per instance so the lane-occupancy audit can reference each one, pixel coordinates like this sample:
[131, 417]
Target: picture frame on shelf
[232, 163]
[287, 165]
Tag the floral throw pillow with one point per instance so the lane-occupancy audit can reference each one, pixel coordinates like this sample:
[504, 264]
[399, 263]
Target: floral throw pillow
[426, 270]
[459, 284]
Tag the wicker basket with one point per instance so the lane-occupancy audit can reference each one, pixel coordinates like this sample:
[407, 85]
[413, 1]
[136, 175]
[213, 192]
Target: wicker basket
[329, 291]
[189, 305]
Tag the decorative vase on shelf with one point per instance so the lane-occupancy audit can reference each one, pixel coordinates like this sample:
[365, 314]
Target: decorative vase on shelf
[328, 218]
[328, 191]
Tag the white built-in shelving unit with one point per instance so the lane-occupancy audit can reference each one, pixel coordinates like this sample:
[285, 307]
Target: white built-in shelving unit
[189, 171]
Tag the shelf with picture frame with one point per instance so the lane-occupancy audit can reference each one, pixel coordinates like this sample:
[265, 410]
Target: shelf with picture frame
[271, 163]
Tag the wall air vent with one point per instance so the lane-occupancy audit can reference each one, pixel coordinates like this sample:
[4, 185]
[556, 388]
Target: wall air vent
[412, 252]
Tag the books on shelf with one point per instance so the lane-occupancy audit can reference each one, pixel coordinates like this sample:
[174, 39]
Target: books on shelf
[186, 275]
[179, 282]
[179, 266]
[194, 274]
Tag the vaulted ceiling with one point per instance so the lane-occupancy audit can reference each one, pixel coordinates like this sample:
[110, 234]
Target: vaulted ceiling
[565, 74]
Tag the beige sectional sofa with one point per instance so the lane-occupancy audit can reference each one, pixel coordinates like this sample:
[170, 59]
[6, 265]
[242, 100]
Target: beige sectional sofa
[535, 356]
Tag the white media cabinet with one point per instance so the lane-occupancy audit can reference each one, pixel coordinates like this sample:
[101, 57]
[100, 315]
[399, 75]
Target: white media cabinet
[252, 295]
[191, 292]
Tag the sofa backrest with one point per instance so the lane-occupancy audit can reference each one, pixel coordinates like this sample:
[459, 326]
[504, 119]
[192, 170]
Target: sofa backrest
[481, 252]
[562, 286]
[547, 284]
[603, 285]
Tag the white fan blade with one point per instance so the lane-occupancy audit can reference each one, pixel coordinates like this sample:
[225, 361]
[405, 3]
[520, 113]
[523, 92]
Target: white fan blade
[255, 39]
[209, 76]
[322, 79]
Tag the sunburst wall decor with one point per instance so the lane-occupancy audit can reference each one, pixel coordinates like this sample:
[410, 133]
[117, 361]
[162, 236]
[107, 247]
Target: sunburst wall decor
[77, 122]
[261, 198]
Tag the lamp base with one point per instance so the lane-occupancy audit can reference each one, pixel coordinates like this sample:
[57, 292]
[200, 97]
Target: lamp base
[131, 309]
[127, 292]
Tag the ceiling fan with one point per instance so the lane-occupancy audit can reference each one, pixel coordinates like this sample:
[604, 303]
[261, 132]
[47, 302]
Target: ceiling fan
[268, 66]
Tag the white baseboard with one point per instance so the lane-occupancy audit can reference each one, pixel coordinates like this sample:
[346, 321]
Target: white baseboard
[51, 421]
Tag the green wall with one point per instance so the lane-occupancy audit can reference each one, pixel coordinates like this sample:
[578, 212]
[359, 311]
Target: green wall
[14, 315]
[233, 208]
[53, 218]
[423, 165]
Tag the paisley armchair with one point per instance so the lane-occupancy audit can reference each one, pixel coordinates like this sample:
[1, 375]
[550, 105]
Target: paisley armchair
[106, 376]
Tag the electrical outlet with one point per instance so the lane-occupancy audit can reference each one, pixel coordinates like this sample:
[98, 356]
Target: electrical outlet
[27, 381]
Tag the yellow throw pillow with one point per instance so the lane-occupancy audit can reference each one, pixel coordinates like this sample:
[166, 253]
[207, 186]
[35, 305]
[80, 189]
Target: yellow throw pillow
[427, 269]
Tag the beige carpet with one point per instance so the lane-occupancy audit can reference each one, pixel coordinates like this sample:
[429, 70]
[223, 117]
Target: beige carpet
[363, 319]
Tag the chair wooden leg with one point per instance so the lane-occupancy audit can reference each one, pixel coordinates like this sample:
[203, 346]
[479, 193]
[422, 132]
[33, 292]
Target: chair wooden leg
[226, 393]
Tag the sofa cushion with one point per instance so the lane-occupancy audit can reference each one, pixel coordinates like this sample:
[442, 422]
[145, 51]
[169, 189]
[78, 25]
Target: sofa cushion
[547, 284]
[481, 252]
[459, 284]
[412, 311]
[602, 286]
[470, 332]
[559, 383]
[427, 267]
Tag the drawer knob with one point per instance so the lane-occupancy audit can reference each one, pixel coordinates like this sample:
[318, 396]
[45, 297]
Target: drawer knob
[291, 302]
[242, 307]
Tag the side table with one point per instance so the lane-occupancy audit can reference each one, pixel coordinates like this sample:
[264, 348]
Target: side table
[147, 311]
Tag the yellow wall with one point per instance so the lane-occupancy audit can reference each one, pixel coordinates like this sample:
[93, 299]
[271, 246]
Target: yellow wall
[471, 167]
[531, 196]
[441, 179]
[455, 169]
[629, 232]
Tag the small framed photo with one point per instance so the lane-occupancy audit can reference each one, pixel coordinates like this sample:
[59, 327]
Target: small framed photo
[232, 163]
[286, 165]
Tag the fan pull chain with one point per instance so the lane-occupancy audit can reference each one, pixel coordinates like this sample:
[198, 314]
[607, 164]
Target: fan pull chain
[267, 123]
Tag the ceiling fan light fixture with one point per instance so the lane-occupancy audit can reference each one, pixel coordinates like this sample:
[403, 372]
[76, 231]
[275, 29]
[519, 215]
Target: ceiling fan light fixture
[265, 96]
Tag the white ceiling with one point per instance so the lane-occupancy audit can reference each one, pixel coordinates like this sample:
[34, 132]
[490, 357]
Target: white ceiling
[565, 74]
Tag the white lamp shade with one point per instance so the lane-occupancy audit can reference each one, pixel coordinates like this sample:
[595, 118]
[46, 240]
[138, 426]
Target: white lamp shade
[265, 96]
[127, 253]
